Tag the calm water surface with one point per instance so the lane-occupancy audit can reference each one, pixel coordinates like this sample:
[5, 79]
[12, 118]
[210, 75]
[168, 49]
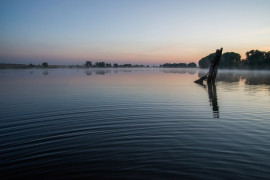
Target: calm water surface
[134, 124]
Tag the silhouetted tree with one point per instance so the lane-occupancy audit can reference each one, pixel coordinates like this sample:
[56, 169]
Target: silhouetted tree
[267, 59]
[255, 59]
[88, 64]
[127, 65]
[115, 65]
[192, 65]
[206, 61]
[175, 65]
[100, 64]
[108, 65]
[230, 60]
[45, 64]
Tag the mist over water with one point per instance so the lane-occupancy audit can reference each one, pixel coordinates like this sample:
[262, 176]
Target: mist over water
[134, 124]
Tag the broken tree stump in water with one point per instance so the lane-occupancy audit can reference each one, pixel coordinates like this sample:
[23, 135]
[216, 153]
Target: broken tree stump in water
[211, 75]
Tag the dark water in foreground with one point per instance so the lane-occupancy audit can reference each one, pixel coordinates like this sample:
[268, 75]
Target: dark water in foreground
[133, 124]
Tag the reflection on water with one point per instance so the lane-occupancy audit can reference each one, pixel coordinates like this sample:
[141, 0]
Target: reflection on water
[133, 124]
[103, 71]
[258, 78]
[45, 73]
[234, 76]
[249, 77]
[88, 72]
[212, 93]
[180, 70]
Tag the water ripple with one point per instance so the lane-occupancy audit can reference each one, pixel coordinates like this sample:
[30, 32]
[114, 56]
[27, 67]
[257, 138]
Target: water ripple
[133, 127]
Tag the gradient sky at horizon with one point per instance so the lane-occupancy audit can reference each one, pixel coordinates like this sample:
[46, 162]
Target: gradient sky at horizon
[128, 31]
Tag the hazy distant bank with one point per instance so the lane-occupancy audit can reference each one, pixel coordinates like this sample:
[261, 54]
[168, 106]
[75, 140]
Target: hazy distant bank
[255, 59]
[25, 66]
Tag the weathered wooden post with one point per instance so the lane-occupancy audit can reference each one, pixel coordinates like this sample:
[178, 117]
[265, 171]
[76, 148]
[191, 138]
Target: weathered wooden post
[214, 66]
[211, 75]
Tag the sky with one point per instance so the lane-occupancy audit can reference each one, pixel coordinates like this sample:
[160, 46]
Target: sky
[130, 31]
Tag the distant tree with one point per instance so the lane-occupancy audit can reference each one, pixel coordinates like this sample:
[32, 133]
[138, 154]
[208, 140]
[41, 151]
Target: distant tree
[127, 65]
[115, 65]
[88, 64]
[230, 60]
[192, 65]
[255, 59]
[206, 61]
[100, 64]
[108, 65]
[31, 65]
[267, 59]
[243, 64]
[45, 64]
[175, 65]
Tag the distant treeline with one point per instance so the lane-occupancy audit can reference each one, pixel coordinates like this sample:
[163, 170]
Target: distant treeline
[43, 65]
[179, 65]
[89, 64]
[255, 59]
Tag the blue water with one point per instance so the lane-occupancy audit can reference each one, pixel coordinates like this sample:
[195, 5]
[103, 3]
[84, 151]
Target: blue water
[133, 124]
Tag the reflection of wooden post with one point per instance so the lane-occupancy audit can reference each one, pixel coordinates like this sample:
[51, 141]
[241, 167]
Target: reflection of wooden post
[212, 93]
[214, 66]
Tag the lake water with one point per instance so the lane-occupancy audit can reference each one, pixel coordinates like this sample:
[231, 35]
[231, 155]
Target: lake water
[134, 124]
